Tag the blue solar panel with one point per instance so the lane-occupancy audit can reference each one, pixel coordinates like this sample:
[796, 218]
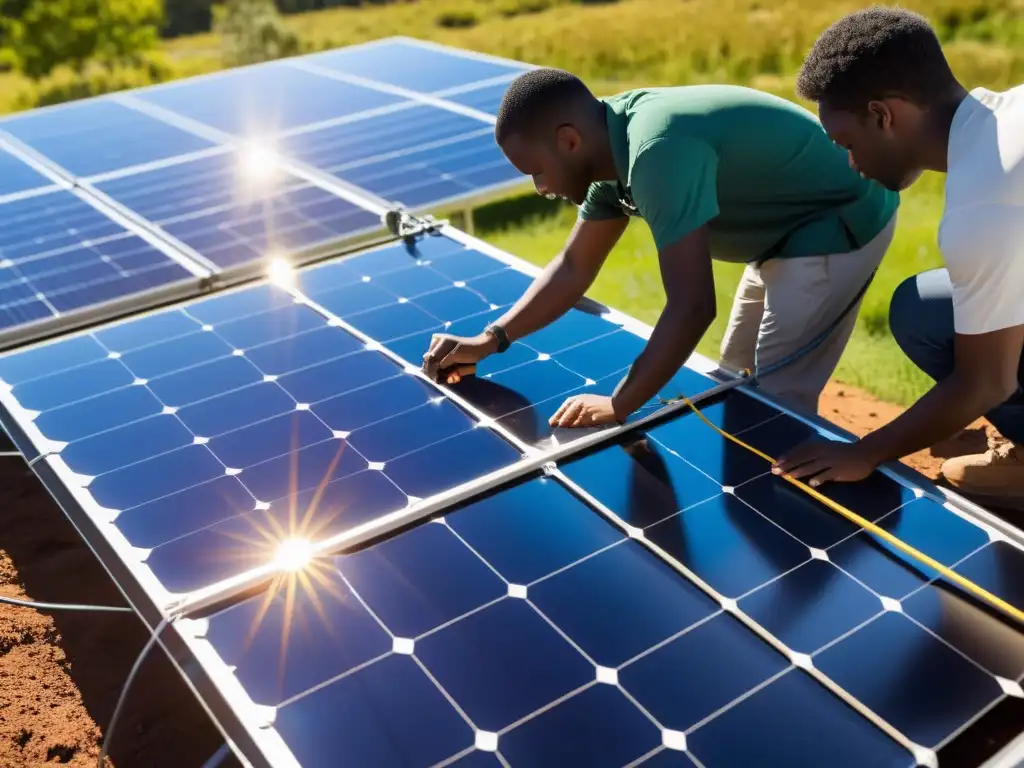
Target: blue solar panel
[265, 99]
[522, 623]
[233, 213]
[16, 176]
[58, 254]
[486, 98]
[525, 624]
[99, 135]
[416, 156]
[415, 65]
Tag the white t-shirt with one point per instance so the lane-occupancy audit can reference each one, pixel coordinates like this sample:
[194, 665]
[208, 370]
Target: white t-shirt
[981, 235]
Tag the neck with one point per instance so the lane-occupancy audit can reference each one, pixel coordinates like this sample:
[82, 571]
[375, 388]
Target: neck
[604, 159]
[934, 143]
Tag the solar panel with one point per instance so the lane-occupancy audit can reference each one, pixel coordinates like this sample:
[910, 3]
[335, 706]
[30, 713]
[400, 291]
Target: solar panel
[640, 601]
[62, 260]
[289, 159]
[528, 625]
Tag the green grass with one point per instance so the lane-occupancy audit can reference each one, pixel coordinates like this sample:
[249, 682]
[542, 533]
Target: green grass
[629, 43]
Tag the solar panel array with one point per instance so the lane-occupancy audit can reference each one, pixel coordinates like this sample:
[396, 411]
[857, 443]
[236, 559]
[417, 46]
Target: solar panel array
[222, 172]
[485, 590]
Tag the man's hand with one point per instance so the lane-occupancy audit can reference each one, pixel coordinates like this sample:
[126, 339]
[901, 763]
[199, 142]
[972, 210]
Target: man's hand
[584, 411]
[825, 460]
[452, 357]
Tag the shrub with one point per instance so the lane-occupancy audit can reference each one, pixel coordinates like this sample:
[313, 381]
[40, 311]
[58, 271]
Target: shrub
[252, 31]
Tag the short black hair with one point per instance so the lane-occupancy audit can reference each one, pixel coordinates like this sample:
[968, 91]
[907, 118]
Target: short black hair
[872, 54]
[537, 97]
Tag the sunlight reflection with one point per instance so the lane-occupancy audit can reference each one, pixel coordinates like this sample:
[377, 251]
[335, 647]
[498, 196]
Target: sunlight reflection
[258, 161]
[281, 272]
[293, 554]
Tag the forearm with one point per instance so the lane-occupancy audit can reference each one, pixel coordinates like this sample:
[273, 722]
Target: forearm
[673, 340]
[551, 295]
[947, 408]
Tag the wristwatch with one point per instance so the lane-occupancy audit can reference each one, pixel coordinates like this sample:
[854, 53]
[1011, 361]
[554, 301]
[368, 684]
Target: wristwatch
[499, 333]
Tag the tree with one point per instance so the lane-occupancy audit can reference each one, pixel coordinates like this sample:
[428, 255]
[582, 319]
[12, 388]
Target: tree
[43, 34]
[252, 31]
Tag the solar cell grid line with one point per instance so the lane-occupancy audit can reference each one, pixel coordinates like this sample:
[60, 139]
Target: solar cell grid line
[18, 179]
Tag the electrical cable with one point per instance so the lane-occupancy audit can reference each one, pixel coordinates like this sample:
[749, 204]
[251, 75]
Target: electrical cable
[124, 690]
[979, 592]
[64, 606]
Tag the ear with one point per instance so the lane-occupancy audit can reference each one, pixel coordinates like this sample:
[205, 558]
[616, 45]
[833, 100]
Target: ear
[567, 138]
[880, 115]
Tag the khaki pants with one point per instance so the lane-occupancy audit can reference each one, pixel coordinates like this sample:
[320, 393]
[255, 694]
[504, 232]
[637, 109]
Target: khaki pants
[785, 304]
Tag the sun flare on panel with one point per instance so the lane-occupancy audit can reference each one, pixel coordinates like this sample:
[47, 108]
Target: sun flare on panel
[302, 582]
[258, 161]
[280, 272]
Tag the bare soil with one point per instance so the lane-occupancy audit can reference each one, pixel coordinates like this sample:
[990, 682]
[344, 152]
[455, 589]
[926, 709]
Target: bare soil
[62, 672]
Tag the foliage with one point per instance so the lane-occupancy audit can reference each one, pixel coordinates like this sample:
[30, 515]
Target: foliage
[252, 31]
[44, 34]
[68, 84]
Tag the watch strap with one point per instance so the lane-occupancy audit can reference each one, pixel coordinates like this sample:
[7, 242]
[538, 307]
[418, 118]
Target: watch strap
[499, 333]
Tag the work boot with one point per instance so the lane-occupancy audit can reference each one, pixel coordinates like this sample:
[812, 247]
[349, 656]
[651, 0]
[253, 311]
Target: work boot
[996, 477]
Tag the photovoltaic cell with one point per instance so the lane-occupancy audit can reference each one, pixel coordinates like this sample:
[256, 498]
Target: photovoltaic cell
[233, 211]
[99, 135]
[263, 100]
[487, 98]
[58, 254]
[415, 66]
[415, 156]
[17, 176]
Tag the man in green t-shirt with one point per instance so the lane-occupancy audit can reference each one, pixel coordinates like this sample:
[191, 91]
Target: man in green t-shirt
[717, 172]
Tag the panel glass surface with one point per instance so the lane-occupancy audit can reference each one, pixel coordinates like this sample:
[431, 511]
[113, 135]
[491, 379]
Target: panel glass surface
[486, 98]
[58, 254]
[401, 296]
[99, 135]
[266, 99]
[413, 156]
[17, 176]
[414, 66]
[213, 432]
[236, 207]
[526, 627]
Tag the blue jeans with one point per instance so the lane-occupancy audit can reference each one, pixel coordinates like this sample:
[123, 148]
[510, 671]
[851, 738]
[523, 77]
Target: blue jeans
[921, 321]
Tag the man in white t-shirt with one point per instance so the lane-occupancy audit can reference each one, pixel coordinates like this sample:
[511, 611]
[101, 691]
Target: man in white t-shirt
[886, 93]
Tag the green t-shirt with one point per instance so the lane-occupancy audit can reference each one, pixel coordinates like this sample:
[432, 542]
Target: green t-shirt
[759, 170]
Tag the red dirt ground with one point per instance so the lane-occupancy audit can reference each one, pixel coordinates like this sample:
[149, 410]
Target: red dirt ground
[61, 673]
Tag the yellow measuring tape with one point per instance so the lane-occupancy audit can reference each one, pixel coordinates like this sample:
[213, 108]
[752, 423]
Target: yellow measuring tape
[967, 584]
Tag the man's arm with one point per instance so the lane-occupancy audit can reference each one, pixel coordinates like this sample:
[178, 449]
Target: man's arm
[553, 293]
[985, 376]
[689, 311]
[566, 278]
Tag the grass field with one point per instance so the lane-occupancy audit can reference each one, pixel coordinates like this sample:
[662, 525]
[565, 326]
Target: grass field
[618, 45]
